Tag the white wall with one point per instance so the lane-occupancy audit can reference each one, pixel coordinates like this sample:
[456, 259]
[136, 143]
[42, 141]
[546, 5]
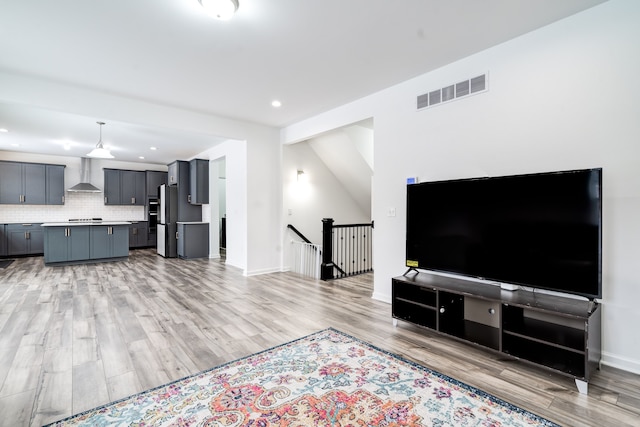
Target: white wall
[318, 194]
[348, 154]
[235, 155]
[563, 97]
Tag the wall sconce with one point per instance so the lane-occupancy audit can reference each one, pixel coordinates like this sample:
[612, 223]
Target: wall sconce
[300, 177]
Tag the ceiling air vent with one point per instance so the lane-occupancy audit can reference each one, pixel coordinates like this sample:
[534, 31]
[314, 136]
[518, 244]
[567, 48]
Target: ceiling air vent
[452, 92]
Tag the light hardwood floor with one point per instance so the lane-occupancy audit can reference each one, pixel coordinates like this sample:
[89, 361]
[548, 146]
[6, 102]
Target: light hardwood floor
[76, 337]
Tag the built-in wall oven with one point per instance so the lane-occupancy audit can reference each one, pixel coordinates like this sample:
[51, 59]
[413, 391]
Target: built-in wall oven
[152, 215]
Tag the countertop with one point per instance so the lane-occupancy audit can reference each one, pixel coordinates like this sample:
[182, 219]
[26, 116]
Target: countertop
[80, 223]
[191, 222]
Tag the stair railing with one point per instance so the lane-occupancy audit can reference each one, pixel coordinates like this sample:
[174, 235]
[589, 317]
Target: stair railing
[348, 249]
[305, 255]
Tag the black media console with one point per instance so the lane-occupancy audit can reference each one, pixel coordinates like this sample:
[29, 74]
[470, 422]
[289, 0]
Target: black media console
[555, 332]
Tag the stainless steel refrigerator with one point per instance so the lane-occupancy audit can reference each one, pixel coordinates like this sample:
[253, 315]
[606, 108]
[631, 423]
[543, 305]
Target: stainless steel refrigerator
[167, 244]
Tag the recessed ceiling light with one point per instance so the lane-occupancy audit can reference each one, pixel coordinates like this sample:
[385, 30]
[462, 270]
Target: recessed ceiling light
[141, 157]
[67, 146]
[276, 103]
[15, 145]
[152, 148]
[220, 9]
[3, 130]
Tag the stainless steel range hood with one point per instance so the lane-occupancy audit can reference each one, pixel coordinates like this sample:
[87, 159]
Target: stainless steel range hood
[85, 174]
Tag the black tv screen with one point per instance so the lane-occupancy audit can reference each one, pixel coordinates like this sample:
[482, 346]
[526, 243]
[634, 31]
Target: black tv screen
[539, 230]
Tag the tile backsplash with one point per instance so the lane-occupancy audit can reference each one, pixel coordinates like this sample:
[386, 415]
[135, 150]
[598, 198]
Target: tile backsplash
[77, 205]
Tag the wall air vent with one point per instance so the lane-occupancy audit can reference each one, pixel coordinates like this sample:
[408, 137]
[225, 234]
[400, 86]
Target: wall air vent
[452, 92]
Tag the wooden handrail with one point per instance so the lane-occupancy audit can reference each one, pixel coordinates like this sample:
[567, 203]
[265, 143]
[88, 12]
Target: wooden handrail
[302, 236]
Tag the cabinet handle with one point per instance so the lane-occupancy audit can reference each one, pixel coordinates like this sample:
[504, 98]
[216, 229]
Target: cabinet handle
[189, 198]
[135, 231]
[176, 235]
[133, 200]
[63, 200]
[105, 200]
[492, 311]
[28, 234]
[442, 310]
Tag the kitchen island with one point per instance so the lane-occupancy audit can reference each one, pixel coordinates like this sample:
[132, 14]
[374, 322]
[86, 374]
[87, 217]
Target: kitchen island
[85, 242]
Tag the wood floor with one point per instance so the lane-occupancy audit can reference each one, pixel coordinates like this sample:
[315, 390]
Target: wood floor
[72, 338]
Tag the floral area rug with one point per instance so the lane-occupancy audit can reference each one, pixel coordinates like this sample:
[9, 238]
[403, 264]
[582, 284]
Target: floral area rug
[325, 379]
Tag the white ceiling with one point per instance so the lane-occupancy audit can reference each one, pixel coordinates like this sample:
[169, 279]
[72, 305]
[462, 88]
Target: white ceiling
[312, 55]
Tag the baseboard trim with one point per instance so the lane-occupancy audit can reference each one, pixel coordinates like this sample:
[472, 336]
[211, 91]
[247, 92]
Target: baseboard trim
[263, 271]
[381, 297]
[623, 363]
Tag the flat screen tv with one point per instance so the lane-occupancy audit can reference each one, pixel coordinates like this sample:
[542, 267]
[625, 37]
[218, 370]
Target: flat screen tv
[538, 230]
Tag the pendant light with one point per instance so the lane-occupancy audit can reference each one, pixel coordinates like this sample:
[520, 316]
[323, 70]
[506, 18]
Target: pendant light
[220, 9]
[100, 152]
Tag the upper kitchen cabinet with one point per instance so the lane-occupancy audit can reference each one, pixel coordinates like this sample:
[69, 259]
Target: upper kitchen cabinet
[154, 180]
[179, 174]
[124, 187]
[31, 183]
[112, 187]
[173, 172]
[199, 182]
[55, 184]
[22, 183]
[133, 188]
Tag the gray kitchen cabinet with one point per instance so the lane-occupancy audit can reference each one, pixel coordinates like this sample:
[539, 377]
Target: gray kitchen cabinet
[3, 241]
[138, 235]
[109, 241]
[155, 179]
[124, 187]
[199, 182]
[152, 240]
[173, 172]
[55, 184]
[193, 240]
[111, 187]
[133, 188]
[22, 183]
[64, 244]
[186, 211]
[24, 239]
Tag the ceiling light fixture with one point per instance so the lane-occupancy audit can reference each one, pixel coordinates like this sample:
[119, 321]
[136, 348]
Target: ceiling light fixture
[220, 9]
[276, 104]
[3, 130]
[100, 152]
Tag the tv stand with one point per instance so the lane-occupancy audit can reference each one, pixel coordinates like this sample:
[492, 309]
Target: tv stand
[554, 332]
[410, 269]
